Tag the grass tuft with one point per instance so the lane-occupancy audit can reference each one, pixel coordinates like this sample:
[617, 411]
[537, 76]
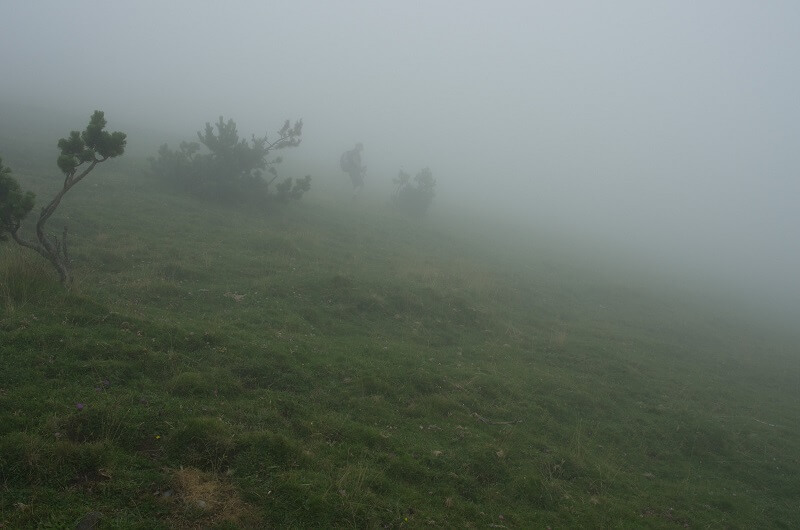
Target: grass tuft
[206, 443]
[25, 278]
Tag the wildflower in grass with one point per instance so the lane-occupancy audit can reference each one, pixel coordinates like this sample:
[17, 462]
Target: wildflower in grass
[79, 406]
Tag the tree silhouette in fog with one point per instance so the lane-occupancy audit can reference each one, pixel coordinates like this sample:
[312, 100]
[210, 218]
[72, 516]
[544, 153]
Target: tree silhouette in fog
[231, 168]
[80, 154]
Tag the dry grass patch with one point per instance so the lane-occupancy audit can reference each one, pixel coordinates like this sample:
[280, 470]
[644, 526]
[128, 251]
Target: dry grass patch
[205, 499]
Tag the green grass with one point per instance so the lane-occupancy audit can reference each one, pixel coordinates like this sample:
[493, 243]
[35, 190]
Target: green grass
[329, 365]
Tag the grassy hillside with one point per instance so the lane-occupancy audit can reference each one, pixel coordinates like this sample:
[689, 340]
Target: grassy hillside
[333, 365]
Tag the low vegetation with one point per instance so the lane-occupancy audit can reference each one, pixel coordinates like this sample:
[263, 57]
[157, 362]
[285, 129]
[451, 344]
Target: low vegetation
[319, 367]
[414, 198]
[231, 169]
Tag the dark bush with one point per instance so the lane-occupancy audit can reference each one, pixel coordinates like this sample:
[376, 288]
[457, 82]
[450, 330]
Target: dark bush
[414, 198]
[231, 169]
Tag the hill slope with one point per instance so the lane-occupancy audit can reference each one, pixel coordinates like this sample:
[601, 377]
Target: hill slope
[333, 365]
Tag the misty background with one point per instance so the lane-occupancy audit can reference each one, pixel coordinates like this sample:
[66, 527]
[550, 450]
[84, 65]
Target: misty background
[665, 132]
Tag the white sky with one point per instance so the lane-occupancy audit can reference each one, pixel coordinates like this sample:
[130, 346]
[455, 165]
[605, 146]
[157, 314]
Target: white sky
[670, 126]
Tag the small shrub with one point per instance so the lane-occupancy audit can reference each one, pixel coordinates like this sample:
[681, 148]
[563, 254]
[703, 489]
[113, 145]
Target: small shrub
[232, 169]
[414, 198]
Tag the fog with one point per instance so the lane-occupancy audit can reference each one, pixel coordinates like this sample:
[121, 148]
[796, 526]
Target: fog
[667, 130]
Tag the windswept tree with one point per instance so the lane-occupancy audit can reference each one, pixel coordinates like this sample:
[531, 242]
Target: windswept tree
[231, 168]
[80, 154]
